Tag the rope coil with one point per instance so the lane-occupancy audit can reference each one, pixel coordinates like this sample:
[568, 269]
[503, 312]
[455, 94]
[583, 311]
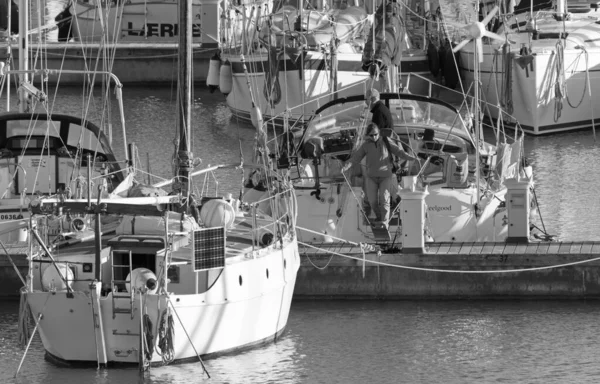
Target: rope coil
[166, 337]
[24, 318]
[148, 338]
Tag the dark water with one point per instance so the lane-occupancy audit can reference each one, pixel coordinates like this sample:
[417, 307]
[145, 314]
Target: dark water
[369, 342]
[375, 342]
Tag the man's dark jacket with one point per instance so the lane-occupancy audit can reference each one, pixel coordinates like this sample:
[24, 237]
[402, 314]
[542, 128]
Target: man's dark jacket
[381, 115]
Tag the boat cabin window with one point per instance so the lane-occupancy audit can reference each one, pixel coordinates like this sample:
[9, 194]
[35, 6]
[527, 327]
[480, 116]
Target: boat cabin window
[143, 254]
[61, 132]
[36, 142]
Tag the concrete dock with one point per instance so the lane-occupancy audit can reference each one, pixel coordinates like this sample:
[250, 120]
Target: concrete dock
[545, 270]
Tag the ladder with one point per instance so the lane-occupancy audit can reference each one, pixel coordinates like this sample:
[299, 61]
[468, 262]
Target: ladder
[126, 298]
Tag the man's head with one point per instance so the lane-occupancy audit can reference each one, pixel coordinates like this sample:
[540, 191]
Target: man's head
[374, 96]
[372, 132]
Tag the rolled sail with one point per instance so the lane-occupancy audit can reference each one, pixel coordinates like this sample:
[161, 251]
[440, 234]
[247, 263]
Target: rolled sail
[389, 39]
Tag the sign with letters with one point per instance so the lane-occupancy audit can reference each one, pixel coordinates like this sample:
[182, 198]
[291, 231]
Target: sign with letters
[159, 30]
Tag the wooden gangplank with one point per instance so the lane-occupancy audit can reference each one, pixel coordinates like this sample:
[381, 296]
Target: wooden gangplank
[380, 234]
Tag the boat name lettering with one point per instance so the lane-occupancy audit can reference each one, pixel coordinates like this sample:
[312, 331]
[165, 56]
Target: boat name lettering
[11, 217]
[35, 163]
[439, 208]
[159, 29]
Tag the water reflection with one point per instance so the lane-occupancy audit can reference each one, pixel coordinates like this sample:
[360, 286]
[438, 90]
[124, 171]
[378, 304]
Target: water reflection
[375, 342]
[566, 180]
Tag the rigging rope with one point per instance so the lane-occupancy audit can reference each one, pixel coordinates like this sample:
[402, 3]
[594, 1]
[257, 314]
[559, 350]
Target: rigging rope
[166, 337]
[560, 86]
[24, 318]
[148, 337]
[507, 101]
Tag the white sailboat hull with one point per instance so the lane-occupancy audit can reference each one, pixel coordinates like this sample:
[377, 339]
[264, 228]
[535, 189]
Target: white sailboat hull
[553, 93]
[136, 21]
[451, 216]
[303, 87]
[249, 304]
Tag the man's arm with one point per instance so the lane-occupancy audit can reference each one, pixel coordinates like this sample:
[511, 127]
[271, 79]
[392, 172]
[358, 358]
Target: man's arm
[398, 151]
[356, 157]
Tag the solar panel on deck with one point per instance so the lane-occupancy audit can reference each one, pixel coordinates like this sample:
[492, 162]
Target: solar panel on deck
[208, 247]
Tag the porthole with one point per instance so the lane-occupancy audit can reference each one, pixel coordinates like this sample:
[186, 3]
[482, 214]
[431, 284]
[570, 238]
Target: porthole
[240, 280]
[267, 273]
[284, 263]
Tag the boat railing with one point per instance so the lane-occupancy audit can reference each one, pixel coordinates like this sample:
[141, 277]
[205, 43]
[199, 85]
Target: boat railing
[282, 208]
[39, 71]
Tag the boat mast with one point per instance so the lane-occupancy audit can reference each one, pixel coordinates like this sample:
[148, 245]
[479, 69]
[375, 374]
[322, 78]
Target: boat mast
[8, 54]
[23, 55]
[560, 10]
[476, 107]
[184, 98]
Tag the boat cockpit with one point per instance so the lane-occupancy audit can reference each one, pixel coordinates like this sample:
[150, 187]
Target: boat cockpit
[45, 154]
[427, 128]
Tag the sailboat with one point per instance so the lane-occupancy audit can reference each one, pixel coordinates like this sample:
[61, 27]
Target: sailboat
[542, 73]
[467, 190]
[164, 278]
[129, 21]
[463, 175]
[299, 58]
[46, 153]
[135, 40]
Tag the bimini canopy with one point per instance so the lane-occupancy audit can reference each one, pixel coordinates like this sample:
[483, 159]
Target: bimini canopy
[407, 110]
[22, 133]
